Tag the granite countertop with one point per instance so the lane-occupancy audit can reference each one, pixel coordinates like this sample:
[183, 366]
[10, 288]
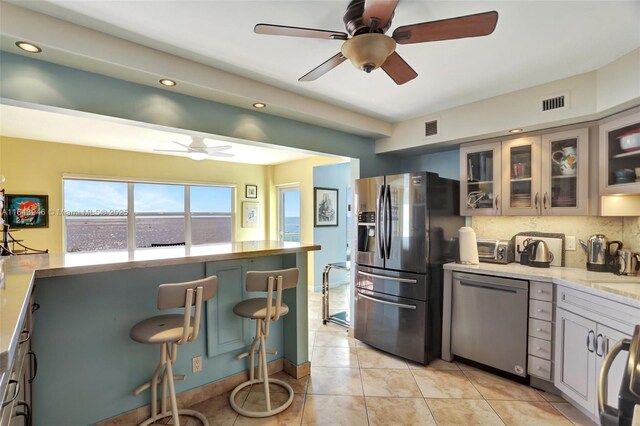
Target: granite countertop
[624, 289]
[19, 273]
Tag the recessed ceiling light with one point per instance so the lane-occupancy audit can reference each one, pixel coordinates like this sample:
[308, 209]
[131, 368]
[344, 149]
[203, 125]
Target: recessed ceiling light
[167, 82]
[259, 105]
[515, 130]
[28, 47]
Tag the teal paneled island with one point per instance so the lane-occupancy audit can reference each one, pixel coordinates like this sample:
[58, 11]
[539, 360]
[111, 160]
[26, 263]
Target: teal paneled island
[87, 365]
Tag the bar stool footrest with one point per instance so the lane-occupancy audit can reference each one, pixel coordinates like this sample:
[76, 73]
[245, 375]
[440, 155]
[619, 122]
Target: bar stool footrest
[181, 412]
[273, 412]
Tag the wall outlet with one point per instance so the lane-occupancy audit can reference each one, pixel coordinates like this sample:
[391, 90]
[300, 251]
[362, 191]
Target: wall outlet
[197, 364]
[570, 243]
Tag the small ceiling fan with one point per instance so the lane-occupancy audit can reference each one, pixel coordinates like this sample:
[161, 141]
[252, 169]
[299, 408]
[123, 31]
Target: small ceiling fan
[198, 150]
[369, 48]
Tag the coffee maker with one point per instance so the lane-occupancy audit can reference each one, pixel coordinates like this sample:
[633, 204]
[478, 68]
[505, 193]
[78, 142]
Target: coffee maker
[599, 253]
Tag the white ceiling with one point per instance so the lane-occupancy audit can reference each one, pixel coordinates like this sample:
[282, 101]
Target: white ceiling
[50, 126]
[534, 42]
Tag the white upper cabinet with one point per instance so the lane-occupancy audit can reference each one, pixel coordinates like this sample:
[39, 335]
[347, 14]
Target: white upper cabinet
[620, 154]
[565, 173]
[521, 176]
[480, 182]
[527, 176]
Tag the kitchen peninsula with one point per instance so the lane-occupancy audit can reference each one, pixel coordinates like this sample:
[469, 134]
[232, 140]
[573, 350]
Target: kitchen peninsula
[89, 301]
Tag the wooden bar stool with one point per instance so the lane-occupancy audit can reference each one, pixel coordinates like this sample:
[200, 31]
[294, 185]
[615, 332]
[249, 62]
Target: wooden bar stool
[169, 331]
[264, 310]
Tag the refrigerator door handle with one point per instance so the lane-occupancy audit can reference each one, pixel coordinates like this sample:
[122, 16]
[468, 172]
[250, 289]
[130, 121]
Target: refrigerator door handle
[384, 302]
[389, 219]
[384, 277]
[379, 223]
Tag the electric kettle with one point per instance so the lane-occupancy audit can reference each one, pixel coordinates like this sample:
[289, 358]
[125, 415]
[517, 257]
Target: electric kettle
[599, 253]
[539, 254]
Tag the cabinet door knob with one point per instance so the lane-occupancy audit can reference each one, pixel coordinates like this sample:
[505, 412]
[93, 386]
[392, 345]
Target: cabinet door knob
[537, 367]
[539, 310]
[538, 329]
[539, 291]
[537, 348]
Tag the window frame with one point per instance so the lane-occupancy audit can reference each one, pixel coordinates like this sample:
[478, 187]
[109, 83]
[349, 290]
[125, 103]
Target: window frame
[131, 216]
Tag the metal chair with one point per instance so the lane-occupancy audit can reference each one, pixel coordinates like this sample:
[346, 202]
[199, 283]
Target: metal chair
[264, 310]
[169, 331]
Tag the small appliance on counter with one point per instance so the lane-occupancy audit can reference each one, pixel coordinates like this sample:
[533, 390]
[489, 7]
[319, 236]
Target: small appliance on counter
[626, 262]
[536, 253]
[600, 257]
[495, 251]
[551, 255]
[629, 394]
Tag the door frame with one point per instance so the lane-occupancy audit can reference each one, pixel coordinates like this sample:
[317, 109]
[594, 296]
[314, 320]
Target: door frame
[281, 189]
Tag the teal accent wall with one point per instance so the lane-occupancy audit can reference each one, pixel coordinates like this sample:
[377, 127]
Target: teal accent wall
[88, 367]
[333, 239]
[43, 83]
[445, 163]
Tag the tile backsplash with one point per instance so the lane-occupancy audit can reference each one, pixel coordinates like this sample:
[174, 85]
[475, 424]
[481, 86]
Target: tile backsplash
[626, 229]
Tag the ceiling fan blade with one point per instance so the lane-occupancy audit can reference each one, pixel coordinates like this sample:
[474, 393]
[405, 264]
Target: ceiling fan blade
[181, 144]
[477, 25]
[379, 10]
[323, 68]
[284, 30]
[170, 150]
[220, 154]
[214, 149]
[398, 69]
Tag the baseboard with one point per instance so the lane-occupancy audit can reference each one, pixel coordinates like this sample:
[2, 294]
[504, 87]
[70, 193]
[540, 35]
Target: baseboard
[195, 395]
[297, 371]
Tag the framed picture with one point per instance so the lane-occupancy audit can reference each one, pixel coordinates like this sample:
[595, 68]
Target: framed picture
[27, 211]
[251, 191]
[325, 201]
[250, 215]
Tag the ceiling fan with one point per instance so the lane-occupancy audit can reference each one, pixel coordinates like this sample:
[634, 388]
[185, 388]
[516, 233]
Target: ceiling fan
[198, 150]
[369, 48]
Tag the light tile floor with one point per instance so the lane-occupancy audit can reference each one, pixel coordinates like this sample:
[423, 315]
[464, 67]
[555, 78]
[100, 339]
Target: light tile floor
[354, 384]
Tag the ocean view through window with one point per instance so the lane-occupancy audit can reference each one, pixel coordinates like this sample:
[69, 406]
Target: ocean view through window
[97, 214]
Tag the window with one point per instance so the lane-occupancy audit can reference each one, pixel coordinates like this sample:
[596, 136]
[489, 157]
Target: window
[95, 215]
[98, 214]
[159, 214]
[210, 214]
[289, 213]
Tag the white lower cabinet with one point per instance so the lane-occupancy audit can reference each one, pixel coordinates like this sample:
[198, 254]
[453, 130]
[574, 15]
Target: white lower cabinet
[587, 327]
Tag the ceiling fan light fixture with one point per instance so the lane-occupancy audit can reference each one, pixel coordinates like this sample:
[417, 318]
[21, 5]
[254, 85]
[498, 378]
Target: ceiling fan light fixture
[197, 155]
[368, 51]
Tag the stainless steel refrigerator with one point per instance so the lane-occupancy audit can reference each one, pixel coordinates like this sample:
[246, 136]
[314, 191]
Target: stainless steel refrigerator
[407, 229]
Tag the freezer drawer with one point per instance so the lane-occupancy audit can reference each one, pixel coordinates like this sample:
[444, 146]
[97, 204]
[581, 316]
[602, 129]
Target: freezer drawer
[393, 324]
[401, 284]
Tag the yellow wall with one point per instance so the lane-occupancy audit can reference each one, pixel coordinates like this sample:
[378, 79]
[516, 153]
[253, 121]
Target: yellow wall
[297, 172]
[34, 167]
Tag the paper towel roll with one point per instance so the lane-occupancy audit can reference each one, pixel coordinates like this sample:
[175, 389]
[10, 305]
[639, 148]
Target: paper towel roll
[468, 246]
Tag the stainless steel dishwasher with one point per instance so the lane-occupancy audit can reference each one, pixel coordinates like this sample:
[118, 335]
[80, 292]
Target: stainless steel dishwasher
[489, 321]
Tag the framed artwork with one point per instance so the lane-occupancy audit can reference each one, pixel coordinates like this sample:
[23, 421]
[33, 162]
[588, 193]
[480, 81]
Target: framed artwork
[27, 211]
[325, 201]
[250, 214]
[251, 191]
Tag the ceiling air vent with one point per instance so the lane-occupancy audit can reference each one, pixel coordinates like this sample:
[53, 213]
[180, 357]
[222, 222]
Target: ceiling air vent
[431, 128]
[556, 102]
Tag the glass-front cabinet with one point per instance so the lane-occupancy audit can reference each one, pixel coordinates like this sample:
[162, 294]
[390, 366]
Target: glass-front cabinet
[527, 176]
[480, 180]
[620, 154]
[521, 176]
[564, 177]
